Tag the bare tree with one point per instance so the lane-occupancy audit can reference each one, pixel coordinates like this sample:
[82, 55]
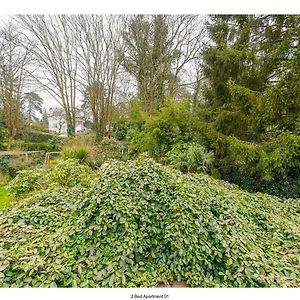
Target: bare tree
[98, 38]
[13, 60]
[56, 55]
[59, 115]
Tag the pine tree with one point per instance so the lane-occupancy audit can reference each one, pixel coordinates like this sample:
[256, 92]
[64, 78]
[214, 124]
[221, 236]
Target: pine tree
[253, 73]
[32, 104]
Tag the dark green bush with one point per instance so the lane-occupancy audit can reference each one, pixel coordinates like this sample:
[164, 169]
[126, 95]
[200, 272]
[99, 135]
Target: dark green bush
[6, 168]
[157, 134]
[190, 157]
[121, 128]
[37, 136]
[27, 180]
[277, 157]
[110, 148]
[55, 143]
[289, 188]
[140, 224]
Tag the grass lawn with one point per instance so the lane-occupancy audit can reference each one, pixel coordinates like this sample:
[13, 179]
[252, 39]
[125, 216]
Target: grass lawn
[4, 197]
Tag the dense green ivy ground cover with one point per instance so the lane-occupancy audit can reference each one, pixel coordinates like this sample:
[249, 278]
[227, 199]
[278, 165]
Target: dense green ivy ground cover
[140, 223]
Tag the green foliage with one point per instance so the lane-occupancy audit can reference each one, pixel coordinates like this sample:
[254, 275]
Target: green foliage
[157, 133]
[79, 153]
[37, 136]
[283, 188]
[6, 168]
[270, 159]
[67, 173]
[55, 143]
[38, 141]
[190, 157]
[26, 181]
[269, 166]
[252, 72]
[110, 148]
[140, 224]
[121, 128]
[29, 146]
[32, 104]
[5, 198]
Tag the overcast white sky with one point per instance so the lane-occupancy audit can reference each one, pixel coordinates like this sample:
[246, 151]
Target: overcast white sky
[151, 7]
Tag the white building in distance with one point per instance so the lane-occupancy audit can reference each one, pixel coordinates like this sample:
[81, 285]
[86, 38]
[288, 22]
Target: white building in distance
[57, 122]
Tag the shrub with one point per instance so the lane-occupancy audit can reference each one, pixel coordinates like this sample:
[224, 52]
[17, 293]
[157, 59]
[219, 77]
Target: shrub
[190, 157]
[157, 134]
[55, 143]
[275, 158]
[110, 148]
[37, 136]
[64, 174]
[79, 153]
[85, 141]
[121, 128]
[69, 174]
[26, 181]
[140, 224]
[6, 168]
[30, 146]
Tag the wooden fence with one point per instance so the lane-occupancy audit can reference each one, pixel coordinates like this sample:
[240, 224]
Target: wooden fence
[24, 155]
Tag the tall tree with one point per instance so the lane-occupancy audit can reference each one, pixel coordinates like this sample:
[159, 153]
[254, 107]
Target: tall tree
[2, 129]
[32, 104]
[13, 61]
[99, 38]
[45, 119]
[249, 65]
[157, 50]
[56, 54]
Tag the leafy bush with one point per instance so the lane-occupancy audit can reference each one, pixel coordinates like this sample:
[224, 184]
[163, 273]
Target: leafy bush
[65, 174]
[270, 166]
[37, 136]
[69, 174]
[140, 224]
[157, 134]
[270, 159]
[79, 153]
[30, 146]
[190, 157]
[289, 188]
[121, 128]
[110, 148]
[26, 181]
[6, 168]
[85, 141]
[55, 143]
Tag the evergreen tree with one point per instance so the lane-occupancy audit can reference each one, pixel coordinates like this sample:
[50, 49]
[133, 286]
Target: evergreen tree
[45, 119]
[252, 67]
[32, 105]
